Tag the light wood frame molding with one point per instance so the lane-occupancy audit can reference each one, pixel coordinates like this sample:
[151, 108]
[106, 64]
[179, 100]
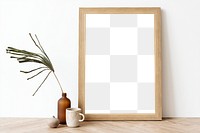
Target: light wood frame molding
[157, 52]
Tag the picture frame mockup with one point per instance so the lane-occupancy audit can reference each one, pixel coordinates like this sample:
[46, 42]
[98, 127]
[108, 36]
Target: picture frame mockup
[120, 63]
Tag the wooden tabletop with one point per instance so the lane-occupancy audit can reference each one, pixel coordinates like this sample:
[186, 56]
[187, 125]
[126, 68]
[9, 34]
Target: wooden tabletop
[39, 125]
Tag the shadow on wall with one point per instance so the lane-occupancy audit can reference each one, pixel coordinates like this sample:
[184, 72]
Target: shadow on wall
[168, 94]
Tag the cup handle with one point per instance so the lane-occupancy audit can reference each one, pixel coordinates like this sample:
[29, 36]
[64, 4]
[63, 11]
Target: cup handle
[83, 117]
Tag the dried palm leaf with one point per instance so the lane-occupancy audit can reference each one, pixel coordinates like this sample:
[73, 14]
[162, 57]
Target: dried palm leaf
[24, 56]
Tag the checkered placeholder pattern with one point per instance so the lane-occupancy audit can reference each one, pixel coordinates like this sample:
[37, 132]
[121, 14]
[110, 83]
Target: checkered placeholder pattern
[120, 63]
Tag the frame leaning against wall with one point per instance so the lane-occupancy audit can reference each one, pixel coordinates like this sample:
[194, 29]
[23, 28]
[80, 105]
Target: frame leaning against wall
[157, 54]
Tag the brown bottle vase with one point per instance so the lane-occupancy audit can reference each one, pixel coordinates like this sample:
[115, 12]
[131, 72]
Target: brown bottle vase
[63, 104]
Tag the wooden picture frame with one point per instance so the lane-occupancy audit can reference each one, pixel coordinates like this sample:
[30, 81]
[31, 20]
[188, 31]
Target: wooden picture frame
[156, 11]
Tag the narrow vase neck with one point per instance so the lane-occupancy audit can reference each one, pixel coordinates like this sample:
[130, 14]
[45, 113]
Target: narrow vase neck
[64, 94]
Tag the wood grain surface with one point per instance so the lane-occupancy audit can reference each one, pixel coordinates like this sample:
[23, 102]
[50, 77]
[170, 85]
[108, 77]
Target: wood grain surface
[39, 125]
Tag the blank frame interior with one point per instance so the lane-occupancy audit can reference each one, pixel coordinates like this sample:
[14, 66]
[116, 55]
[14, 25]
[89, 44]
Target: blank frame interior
[120, 63]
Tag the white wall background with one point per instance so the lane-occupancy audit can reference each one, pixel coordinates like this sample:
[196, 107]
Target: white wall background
[56, 24]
